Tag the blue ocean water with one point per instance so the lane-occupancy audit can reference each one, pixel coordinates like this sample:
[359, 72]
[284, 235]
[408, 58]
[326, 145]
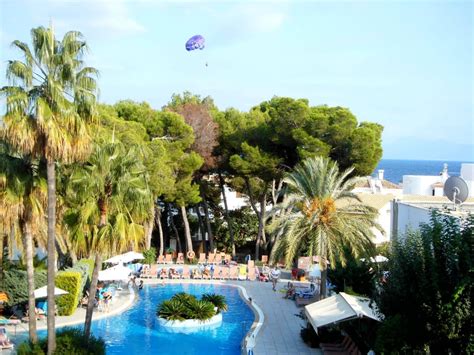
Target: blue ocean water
[137, 330]
[395, 169]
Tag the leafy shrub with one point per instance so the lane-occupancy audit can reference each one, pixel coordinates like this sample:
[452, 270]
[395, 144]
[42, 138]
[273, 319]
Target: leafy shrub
[184, 306]
[90, 267]
[217, 300]
[172, 310]
[15, 284]
[201, 310]
[69, 341]
[69, 281]
[150, 256]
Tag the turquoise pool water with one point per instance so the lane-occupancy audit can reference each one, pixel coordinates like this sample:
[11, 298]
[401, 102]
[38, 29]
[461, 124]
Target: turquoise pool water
[136, 331]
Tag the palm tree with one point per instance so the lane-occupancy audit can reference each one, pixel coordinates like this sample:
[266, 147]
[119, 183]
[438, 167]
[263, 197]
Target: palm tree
[49, 103]
[320, 216]
[23, 193]
[109, 198]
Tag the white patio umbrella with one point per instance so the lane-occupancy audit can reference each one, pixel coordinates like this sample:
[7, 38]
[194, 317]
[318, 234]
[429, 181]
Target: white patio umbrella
[43, 293]
[115, 273]
[377, 259]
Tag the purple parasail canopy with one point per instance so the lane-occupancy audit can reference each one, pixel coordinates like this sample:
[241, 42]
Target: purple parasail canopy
[195, 42]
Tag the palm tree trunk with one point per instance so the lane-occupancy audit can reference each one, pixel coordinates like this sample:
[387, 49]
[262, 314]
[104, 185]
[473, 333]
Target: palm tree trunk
[208, 224]
[51, 177]
[187, 230]
[25, 225]
[227, 216]
[160, 229]
[92, 291]
[2, 247]
[149, 227]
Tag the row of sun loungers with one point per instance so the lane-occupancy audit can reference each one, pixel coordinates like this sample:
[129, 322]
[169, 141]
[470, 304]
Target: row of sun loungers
[213, 259]
[346, 347]
[218, 273]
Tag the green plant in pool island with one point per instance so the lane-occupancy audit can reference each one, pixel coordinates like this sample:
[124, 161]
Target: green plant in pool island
[183, 306]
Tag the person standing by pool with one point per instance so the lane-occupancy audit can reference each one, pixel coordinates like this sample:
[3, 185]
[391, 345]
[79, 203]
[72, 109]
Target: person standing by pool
[274, 276]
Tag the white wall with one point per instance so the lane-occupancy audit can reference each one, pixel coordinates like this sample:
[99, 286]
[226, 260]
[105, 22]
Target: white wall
[419, 185]
[233, 202]
[410, 217]
[467, 173]
[385, 221]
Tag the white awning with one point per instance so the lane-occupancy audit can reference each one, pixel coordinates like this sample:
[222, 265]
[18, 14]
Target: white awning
[339, 308]
[42, 292]
[125, 258]
[115, 273]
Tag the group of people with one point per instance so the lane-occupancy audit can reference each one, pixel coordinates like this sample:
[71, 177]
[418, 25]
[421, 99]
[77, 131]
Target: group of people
[103, 297]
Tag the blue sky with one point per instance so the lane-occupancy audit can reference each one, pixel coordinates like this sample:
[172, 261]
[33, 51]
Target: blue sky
[407, 65]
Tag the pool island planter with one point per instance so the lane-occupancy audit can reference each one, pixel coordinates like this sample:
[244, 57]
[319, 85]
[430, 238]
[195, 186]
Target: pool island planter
[190, 323]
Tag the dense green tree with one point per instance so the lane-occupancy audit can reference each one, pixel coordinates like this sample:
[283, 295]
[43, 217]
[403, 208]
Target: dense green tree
[427, 297]
[322, 217]
[51, 99]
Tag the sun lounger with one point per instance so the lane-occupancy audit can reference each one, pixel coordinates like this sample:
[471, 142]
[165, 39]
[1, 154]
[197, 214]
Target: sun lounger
[234, 273]
[185, 274]
[145, 273]
[196, 274]
[346, 347]
[164, 273]
[218, 259]
[161, 259]
[168, 259]
[242, 273]
[202, 258]
[250, 264]
[174, 274]
[180, 259]
[251, 274]
[211, 258]
[5, 343]
[217, 273]
[153, 271]
[225, 273]
[206, 274]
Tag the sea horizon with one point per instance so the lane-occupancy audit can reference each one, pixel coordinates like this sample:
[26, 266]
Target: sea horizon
[394, 169]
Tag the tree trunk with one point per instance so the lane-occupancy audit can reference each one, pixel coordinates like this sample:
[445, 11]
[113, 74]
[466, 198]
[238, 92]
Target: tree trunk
[149, 227]
[208, 224]
[201, 228]
[51, 177]
[92, 292]
[25, 225]
[2, 247]
[227, 216]
[324, 276]
[175, 230]
[160, 229]
[187, 231]
[261, 225]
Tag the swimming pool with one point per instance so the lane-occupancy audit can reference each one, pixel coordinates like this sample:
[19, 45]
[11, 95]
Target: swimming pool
[136, 331]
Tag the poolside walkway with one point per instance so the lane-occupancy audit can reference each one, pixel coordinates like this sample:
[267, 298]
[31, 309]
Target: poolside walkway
[280, 333]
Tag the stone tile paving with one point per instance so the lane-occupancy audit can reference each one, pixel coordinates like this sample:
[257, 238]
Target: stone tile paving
[280, 333]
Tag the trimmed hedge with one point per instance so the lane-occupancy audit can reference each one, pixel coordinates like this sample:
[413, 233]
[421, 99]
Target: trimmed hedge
[83, 269]
[69, 281]
[15, 284]
[69, 341]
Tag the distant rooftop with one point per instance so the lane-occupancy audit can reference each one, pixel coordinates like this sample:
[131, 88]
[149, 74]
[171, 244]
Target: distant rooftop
[363, 182]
